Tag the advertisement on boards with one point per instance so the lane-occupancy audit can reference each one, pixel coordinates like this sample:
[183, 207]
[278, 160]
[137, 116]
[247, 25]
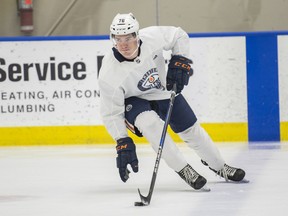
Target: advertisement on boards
[50, 82]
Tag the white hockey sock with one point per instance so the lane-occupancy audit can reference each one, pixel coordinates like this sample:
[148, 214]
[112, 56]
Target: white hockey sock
[151, 126]
[198, 139]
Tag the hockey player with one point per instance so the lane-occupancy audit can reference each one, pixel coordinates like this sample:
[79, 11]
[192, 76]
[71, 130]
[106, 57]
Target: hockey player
[135, 91]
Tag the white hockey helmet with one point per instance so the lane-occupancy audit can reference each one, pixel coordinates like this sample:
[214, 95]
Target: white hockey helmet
[123, 24]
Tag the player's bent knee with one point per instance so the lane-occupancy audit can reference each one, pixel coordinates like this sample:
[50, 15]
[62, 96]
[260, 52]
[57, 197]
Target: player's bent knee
[146, 119]
[194, 135]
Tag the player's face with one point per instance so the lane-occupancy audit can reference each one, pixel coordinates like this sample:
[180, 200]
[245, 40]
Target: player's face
[126, 45]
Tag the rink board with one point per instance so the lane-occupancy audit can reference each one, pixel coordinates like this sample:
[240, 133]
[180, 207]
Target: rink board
[49, 91]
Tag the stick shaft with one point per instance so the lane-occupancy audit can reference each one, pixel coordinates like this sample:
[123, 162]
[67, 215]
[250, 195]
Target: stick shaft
[147, 199]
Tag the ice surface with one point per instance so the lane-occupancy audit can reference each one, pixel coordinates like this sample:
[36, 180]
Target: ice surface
[84, 181]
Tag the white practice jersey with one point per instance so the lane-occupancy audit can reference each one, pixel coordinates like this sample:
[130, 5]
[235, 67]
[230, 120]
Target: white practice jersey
[144, 77]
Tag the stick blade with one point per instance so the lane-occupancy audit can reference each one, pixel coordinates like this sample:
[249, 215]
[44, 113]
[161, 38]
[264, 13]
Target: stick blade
[139, 204]
[144, 200]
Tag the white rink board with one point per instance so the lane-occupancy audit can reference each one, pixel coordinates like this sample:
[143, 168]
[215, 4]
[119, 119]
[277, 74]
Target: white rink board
[217, 90]
[283, 77]
[66, 102]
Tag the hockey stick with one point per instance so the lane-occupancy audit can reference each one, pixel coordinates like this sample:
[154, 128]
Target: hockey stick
[146, 200]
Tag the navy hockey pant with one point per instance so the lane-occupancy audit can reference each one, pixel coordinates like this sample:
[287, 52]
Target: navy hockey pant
[182, 116]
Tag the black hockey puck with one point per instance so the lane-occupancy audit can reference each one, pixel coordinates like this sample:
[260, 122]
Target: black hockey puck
[138, 204]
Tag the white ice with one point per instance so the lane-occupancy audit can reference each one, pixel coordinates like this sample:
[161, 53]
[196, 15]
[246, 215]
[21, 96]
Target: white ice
[84, 181]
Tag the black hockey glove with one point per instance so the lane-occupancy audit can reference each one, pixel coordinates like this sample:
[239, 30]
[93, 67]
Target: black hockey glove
[179, 72]
[126, 151]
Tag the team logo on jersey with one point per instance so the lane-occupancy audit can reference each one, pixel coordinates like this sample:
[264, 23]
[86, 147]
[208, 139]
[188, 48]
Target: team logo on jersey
[150, 80]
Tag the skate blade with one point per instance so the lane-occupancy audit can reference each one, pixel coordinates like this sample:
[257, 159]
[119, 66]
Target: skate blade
[243, 181]
[204, 189]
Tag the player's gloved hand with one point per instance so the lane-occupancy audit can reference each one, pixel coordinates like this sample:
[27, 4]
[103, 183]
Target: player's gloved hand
[179, 72]
[126, 151]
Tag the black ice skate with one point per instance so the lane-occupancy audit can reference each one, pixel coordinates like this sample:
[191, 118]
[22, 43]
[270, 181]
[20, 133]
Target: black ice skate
[229, 173]
[192, 178]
